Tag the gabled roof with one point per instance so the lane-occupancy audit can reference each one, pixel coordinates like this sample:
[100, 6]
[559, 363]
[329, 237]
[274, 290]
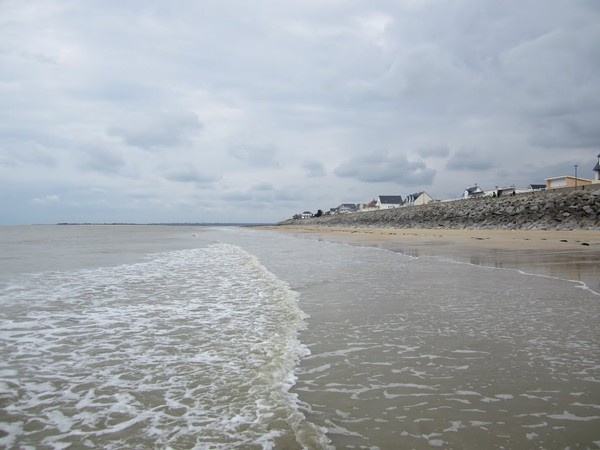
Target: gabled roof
[537, 186]
[597, 167]
[417, 194]
[474, 190]
[390, 199]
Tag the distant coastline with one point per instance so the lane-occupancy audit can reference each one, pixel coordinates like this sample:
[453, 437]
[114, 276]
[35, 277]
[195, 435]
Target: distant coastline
[175, 224]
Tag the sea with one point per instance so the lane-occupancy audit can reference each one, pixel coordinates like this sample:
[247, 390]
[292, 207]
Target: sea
[189, 337]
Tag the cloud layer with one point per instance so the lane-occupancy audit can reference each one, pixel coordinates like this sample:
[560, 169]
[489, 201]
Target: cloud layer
[238, 111]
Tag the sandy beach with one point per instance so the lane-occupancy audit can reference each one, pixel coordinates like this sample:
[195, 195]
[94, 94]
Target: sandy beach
[573, 255]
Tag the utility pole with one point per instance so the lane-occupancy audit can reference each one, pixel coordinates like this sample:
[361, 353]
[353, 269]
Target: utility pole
[575, 175]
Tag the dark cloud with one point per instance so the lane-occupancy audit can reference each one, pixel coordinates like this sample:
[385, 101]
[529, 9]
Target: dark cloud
[158, 129]
[382, 167]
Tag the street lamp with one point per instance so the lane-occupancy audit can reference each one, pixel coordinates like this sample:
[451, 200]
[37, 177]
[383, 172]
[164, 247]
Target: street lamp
[575, 175]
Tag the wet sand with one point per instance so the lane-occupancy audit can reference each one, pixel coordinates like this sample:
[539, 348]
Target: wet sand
[572, 255]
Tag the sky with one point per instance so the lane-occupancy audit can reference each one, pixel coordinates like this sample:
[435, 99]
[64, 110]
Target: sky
[252, 111]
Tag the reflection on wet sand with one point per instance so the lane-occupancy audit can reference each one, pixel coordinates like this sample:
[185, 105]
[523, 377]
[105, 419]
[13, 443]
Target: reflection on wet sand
[577, 266]
[572, 255]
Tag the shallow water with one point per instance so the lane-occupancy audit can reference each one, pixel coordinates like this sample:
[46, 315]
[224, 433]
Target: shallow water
[222, 338]
[420, 353]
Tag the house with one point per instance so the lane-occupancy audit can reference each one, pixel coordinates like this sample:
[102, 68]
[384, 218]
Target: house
[306, 215]
[509, 191]
[346, 208]
[505, 191]
[389, 201]
[473, 192]
[566, 181]
[537, 187]
[418, 198]
[569, 181]
[371, 206]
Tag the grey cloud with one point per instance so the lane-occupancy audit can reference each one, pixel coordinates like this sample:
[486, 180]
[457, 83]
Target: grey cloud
[470, 160]
[14, 152]
[190, 175]
[48, 199]
[436, 151]
[141, 195]
[383, 167]
[263, 156]
[263, 187]
[101, 159]
[569, 130]
[263, 195]
[314, 168]
[238, 197]
[157, 129]
[517, 81]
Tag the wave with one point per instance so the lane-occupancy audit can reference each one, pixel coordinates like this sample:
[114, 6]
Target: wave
[194, 348]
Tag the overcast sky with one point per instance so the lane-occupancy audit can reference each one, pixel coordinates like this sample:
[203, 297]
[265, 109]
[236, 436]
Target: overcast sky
[251, 111]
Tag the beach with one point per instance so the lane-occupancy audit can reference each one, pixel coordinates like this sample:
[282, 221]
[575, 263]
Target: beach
[292, 337]
[572, 255]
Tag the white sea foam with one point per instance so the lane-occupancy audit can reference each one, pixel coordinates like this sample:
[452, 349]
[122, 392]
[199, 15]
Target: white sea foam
[193, 348]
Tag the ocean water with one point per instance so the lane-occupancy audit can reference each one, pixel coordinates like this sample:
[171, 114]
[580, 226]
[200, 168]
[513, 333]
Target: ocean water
[189, 337]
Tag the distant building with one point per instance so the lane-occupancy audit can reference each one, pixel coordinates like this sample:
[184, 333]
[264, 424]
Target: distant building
[597, 170]
[389, 201]
[418, 198]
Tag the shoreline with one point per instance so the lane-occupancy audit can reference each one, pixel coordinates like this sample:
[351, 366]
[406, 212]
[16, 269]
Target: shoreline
[571, 255]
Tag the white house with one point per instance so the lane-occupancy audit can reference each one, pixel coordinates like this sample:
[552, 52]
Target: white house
[389, 201]
[418, 198]
[473, 192]
[597, 170]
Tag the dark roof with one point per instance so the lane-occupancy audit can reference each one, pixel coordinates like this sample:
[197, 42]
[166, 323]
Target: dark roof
[537, 186]
[474, 189]
[391, 199]
[416, 194]
[597, 168]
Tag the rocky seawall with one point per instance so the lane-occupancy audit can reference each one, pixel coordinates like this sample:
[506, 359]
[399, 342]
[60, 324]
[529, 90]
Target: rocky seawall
[560, 209]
